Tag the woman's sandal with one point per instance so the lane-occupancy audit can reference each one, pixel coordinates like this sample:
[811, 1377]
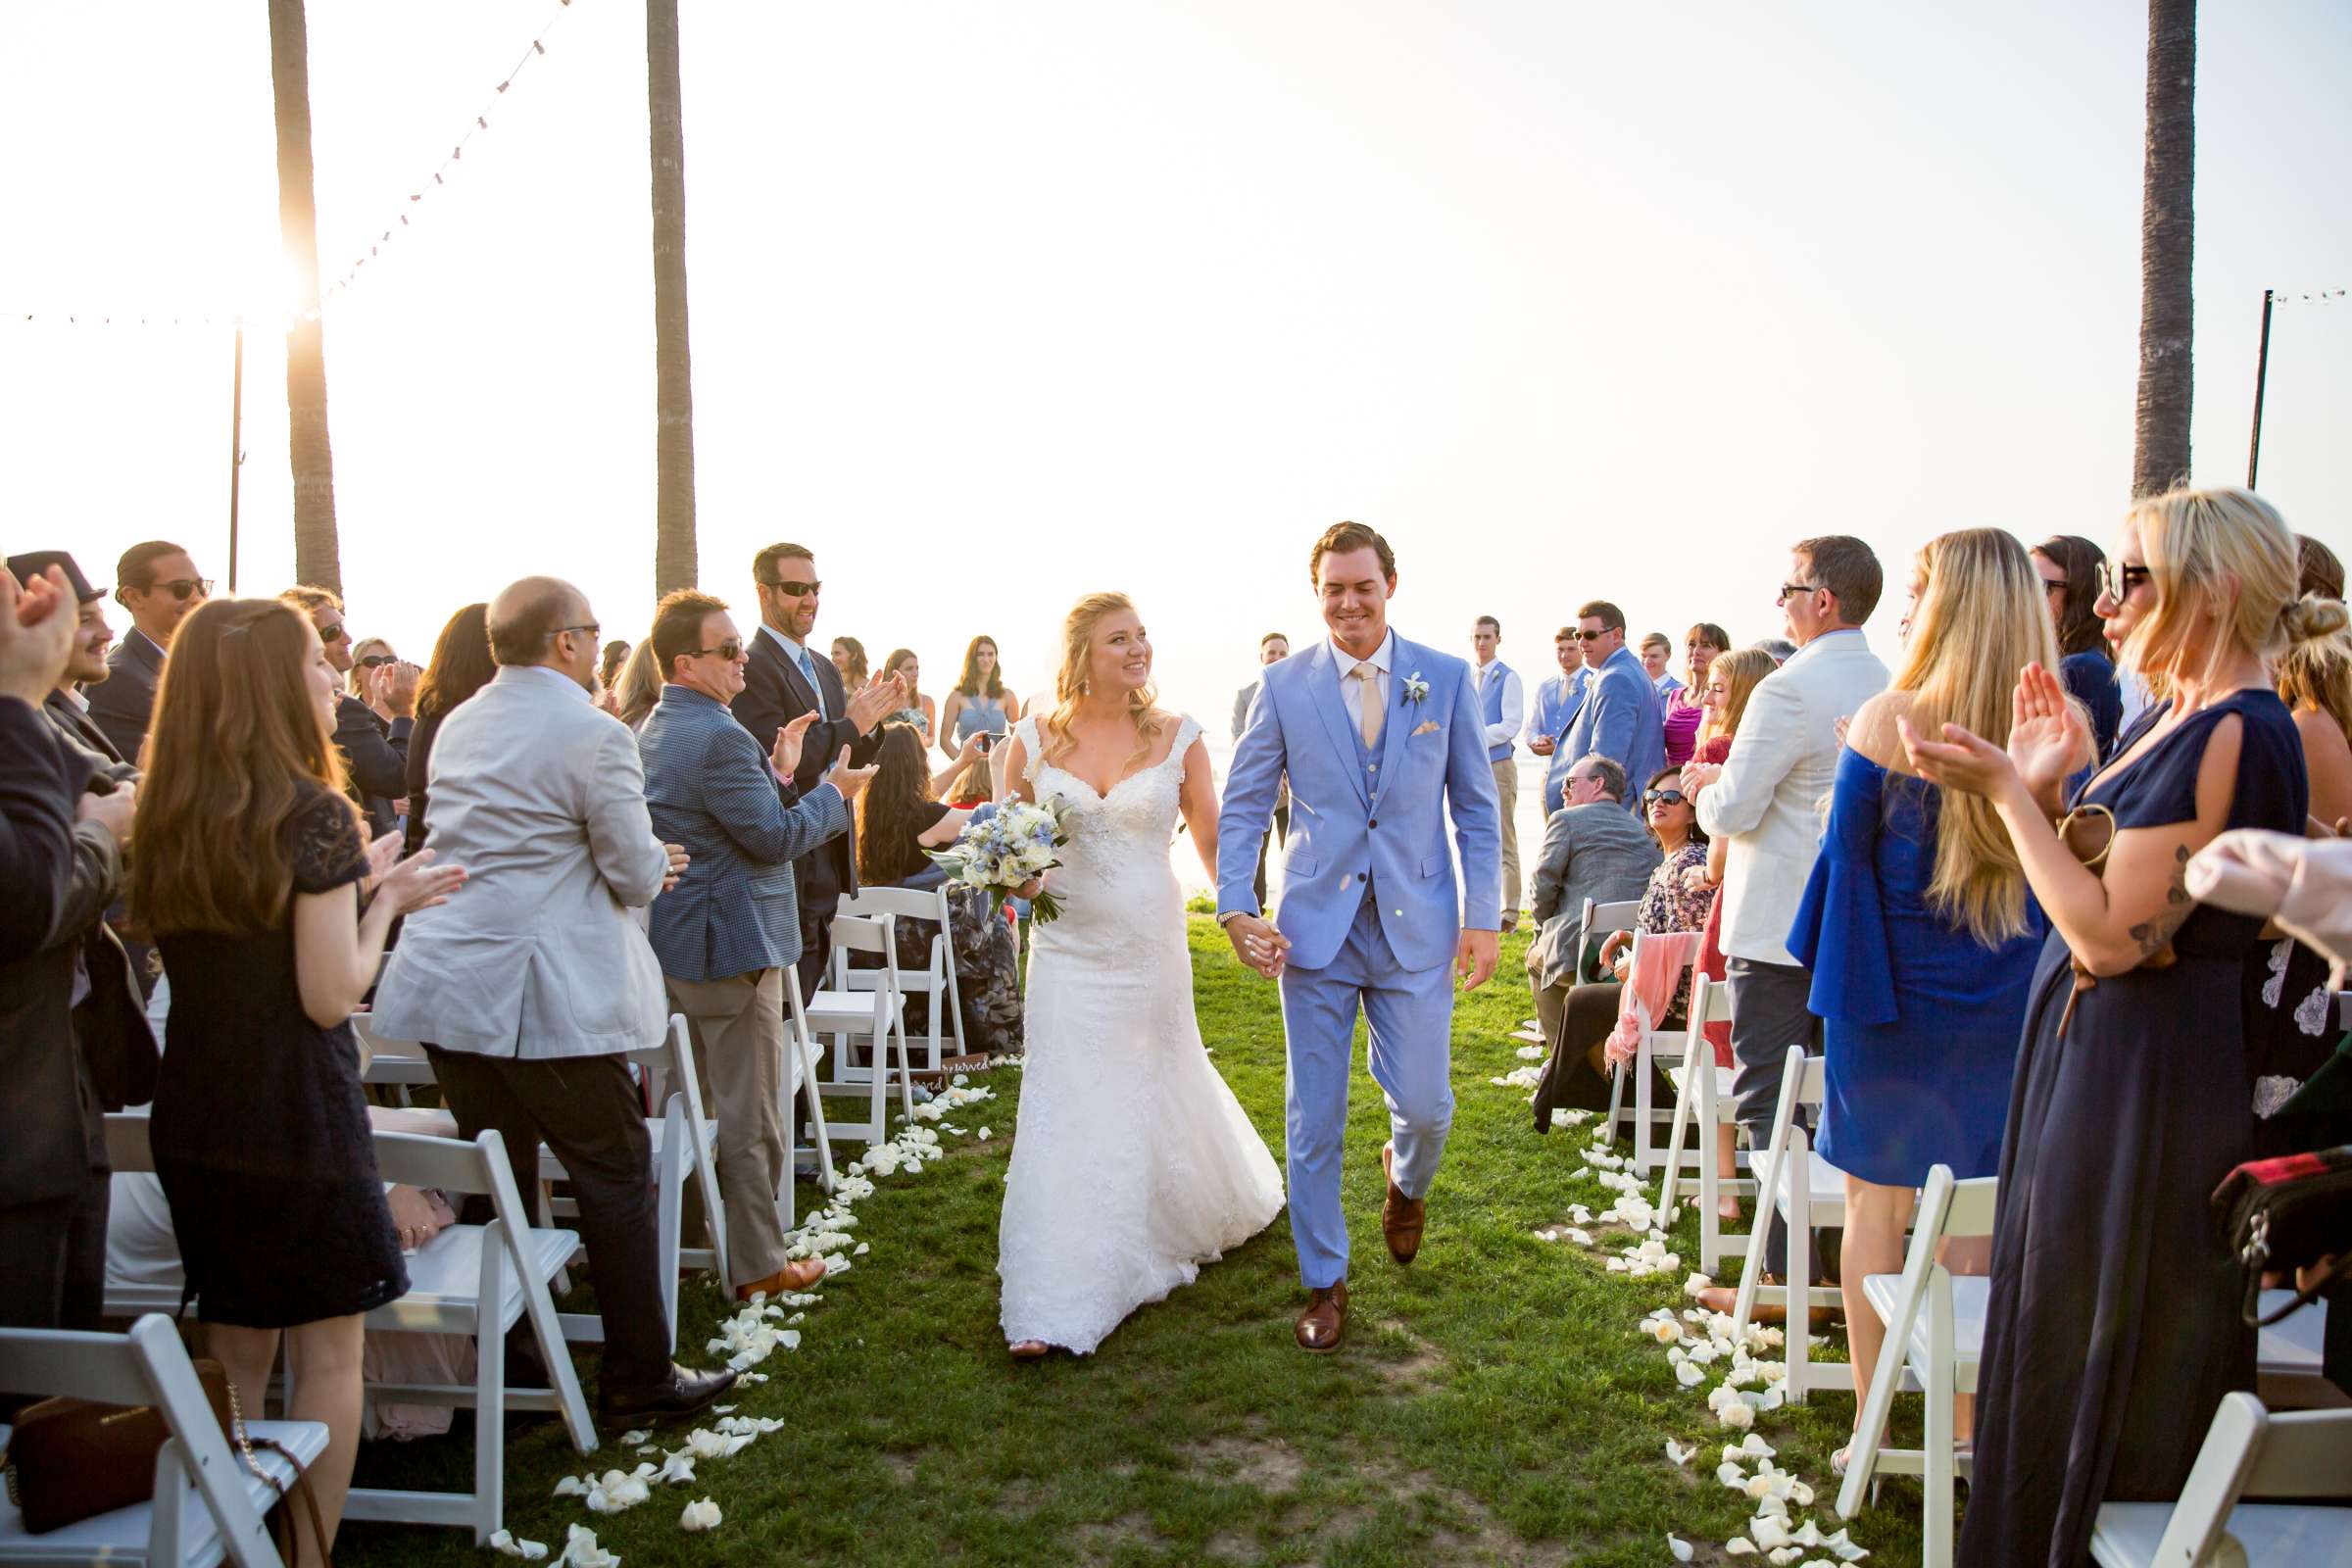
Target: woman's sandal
[1028, 1350]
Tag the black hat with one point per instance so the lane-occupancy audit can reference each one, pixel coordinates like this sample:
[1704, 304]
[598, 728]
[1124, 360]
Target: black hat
[34, 563]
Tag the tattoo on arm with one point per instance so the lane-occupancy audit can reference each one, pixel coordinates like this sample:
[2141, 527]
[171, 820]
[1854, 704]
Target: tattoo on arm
[2154, 935]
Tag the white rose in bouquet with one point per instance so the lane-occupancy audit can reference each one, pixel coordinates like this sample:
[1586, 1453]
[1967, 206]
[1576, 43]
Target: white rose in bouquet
[1019, 843]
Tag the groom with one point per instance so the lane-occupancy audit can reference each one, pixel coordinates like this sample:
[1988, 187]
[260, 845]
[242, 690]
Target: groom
[1379, 738]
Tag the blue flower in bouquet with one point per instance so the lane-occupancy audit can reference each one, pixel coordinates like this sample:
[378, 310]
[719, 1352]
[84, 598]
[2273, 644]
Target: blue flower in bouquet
[1017, 845]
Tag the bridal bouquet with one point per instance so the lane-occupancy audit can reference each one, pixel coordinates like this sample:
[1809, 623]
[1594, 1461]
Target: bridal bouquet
[1002, 852]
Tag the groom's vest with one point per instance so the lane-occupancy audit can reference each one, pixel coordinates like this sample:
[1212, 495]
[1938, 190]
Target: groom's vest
[1490, 706]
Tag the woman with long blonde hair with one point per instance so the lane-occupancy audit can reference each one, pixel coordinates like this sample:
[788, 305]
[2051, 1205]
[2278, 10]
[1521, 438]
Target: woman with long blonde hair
[2111, 1326]
[1133, 1164]
[1917, 923]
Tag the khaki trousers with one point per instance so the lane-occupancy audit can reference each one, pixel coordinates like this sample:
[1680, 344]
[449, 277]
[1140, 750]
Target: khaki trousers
[1506, 790]
[737, 1026]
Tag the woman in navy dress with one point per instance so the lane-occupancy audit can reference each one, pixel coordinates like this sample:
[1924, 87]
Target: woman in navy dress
[1918, 925]
[2069, 566]
[2112, 1330]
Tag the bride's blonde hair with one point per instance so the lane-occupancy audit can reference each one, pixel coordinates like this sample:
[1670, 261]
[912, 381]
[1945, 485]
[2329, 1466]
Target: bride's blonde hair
[1070, 686]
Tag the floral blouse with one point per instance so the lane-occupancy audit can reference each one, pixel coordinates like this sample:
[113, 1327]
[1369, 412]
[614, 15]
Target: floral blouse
[1668, 906]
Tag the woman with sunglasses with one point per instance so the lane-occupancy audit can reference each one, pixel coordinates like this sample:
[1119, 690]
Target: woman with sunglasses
[1578, 1075]
[368, 657]
[1917, 922]
[2111, 1327]
[2069, 567]
[1686, 705]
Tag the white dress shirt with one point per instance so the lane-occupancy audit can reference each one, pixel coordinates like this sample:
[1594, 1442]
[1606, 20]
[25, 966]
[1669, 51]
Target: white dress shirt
[1514, 704]
[793, 652]
[1352, 690]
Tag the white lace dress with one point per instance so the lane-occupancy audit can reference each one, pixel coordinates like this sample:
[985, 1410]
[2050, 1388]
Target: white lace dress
[1132, 1164]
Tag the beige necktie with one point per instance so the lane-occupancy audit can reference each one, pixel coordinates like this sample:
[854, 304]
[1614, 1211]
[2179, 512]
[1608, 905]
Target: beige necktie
[1369, 710]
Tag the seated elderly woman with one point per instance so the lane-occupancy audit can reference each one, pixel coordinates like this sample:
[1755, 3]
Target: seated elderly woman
[899, 822]
[1578, 1077]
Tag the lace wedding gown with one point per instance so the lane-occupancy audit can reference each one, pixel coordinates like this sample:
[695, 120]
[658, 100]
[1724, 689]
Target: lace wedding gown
[1132, 1164]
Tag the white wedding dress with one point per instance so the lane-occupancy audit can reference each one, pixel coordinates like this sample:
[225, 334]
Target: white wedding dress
[1132, 1164]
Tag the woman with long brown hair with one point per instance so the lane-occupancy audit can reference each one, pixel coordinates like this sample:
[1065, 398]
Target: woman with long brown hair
[920, 711]
[270, 910]
[461, 666]
[2069, 567]
[981, 703]
[1686, 705]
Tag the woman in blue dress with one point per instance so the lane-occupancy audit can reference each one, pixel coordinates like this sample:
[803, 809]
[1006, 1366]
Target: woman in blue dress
[981, 703]
[2069, 565]
[1917, 923]
[2112, 1330]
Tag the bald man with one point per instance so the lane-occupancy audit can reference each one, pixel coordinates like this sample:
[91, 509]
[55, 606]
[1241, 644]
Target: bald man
[528, 990]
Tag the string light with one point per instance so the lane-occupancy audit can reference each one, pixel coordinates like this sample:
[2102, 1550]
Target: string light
[2328, 296]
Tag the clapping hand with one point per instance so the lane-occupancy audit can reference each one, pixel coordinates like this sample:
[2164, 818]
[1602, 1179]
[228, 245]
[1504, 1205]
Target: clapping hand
[396, 687]
[850, 781]
[36, 633]
[417, 883]
[874, 700]
[2048, 739]
[787, 753]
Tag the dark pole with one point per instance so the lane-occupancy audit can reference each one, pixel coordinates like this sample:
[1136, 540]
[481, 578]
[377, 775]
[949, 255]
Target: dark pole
[2262, 373]
[236, 448]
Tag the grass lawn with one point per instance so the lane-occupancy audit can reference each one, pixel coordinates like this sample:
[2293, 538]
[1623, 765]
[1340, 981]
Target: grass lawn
[1495, 1402]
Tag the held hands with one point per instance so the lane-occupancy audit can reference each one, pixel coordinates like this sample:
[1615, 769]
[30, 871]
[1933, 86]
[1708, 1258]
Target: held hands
[786, 754]
[1475, 958]
[1258, 945]
[873, 701]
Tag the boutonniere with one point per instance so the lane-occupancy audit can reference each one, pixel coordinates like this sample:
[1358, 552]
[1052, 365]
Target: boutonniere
[1415, 688]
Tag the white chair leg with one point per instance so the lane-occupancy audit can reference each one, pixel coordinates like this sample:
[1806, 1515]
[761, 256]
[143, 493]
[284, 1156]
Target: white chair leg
[489, 1405]
[1936, 1528]
[1797, 1343]
[669, 1210]
[1616, 1100]
[1669, 1188]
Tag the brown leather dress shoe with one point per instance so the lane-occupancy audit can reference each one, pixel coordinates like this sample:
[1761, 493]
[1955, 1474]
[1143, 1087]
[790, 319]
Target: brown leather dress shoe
[796, 1275]
[1401, 1217]
[1324, 1323]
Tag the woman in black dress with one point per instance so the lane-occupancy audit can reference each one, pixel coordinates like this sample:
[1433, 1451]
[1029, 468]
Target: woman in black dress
[252, 874]
[2113, 1330]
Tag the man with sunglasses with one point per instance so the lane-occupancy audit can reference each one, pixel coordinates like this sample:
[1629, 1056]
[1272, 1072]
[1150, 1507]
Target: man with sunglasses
[157, 584]
[376, 751]
[1620, 715]
[784, 680]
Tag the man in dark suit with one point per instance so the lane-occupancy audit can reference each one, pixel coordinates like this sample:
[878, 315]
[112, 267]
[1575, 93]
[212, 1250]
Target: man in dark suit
[157, 584]
[783, 681]
[375, 753]
[60, 858]
[65, 708]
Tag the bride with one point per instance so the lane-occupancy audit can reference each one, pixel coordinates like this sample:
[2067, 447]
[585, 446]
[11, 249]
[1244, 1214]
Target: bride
[1132, 1163]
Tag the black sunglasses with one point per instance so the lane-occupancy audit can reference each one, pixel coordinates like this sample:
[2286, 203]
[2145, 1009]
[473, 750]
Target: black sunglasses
[379, 661]
[592, 628]
[1789, 588]
[1592, 636]
[1662, 798]
[792, 590]
[331, 633]
[183, 588]
[730, 651]
[2117, 582]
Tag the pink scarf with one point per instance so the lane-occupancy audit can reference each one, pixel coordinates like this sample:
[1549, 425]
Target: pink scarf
[1658, 967]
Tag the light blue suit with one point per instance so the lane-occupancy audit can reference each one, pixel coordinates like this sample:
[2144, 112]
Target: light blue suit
[1623, 718]
[1369, 904]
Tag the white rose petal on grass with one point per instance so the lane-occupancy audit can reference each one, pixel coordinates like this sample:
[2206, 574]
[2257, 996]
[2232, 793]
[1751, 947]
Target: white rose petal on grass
[678, 1469]
[1532, 1052]
[1687, 1374]
[1680, 1548]
[630, 1440]
[506, 1541]
[1739, 1546]
[571, 1487]
[1679, 1456]
[700, 1516]
[580, 1550]
[1736, 1416]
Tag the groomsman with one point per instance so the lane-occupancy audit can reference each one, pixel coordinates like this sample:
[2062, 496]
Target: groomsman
[1501, 707]
[1556, 700]
[1620, 715]
[783, 681]
[1272, 649]
[157, 584]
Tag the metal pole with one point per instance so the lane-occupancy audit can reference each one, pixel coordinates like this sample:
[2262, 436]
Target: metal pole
[2262, 373]
[236, 448]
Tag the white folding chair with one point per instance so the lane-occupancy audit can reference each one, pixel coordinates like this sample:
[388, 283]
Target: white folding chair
[875, 1016]
[398, 1065]
[2249, 1451]
[800, 1083]
[1597, 922]
[1703, 1102]
[1805, 1190]
[209, 1505]
[1657, 1049]
[935, 983]
[2288, 1355]
[1935, 1335]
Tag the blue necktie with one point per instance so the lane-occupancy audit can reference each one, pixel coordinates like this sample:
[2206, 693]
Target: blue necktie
[808, 669]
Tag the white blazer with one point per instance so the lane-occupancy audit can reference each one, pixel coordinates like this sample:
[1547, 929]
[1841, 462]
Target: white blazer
[540, 796]
[1770, 801]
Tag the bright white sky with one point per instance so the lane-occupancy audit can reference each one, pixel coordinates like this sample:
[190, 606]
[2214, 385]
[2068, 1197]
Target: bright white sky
[996, 303]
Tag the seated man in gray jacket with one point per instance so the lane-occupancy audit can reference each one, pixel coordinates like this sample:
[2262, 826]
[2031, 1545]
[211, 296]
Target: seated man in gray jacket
[1594, 848]
[730, 930]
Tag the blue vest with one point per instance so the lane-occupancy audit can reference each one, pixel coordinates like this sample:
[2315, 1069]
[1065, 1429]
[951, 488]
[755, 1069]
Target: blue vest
[1490, 705]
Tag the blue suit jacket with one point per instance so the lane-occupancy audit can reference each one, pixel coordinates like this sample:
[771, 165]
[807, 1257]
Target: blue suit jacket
[1622, 718]
[709, 788]
[1350, 825]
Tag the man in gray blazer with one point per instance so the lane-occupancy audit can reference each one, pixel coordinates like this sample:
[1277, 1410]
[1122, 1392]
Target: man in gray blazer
[727, 934]
[526, 992]
[1594, 848]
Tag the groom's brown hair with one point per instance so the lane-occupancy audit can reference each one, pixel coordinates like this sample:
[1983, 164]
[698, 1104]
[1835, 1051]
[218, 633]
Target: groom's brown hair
[1342, 537]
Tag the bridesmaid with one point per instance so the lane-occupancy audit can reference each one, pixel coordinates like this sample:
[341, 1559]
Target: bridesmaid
[2112, 1330]
[981, 703]
[1917, 923]
[1686, 705]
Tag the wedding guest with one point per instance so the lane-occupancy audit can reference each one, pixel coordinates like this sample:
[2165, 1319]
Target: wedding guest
[1557, 700]
[981, 701]
[1686, 705]
[783, 681]
[1781, 649]
[527, 993]
[367, 655]
[376, 751]
[1272, 649]
[156, 582]
[975, 785]
[920, 711]
[902, 819]
[71, 1028]
[639, 687]
[250, 871]
[1594, 849]
[2314, 678]
[1620, 716]
[1917, 925]
[608, 671]
[2112, 1330]
[2069, 567]
[1658, 652]
[729, 929]
[1576, 1077]
[2317, 569]
[461, 665]
[1764, 799]
[65, 707]
[1501, 707]
[849, 662]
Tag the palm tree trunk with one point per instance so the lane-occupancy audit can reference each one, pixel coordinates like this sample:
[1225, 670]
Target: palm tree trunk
[317, 559]
[2167, 250]
[675, 563]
